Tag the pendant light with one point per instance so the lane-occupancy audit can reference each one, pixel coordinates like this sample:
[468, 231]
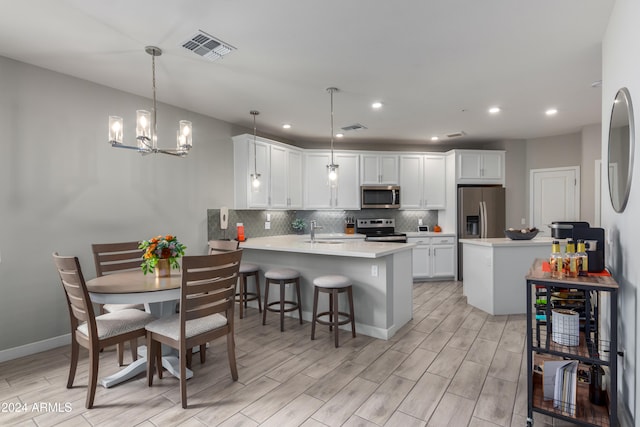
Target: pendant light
[332, 168]
[255, 176]
[146, 124]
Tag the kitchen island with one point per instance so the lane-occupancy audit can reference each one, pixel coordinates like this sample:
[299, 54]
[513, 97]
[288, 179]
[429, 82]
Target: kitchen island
[381, 275]
[494, 269]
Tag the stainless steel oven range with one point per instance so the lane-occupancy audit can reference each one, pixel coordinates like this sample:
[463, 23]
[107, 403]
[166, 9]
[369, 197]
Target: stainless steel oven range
[380, 230]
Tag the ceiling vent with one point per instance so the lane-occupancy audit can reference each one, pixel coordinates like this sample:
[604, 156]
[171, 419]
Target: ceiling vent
[355, 126]
[208, 46]
[456, 134]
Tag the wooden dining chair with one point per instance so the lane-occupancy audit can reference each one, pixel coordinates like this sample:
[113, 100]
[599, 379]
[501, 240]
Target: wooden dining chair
[206, 313]
[112, 258]
[90, 331]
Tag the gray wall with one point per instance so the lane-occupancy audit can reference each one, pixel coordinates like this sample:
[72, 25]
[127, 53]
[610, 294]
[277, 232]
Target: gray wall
[62, 187]
[591, 143]
[621, 68]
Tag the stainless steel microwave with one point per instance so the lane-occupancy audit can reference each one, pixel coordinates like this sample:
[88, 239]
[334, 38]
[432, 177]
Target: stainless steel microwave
[380, 196]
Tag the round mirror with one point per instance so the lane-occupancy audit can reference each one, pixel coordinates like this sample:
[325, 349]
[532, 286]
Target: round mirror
[621, 141]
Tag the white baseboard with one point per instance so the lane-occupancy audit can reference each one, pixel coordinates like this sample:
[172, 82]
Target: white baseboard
[35, 347]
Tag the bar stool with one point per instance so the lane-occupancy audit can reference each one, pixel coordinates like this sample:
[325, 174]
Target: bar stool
[281, 276]
[248, 270]
[332, 285]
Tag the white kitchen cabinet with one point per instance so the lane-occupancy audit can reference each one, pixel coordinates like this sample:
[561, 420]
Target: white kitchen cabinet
[480, 167]
[379, 169]
[423, 181]
[318, 194]
[433, 257]
[280, 169]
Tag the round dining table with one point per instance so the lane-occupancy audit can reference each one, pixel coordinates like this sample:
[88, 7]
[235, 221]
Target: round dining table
[159, 295]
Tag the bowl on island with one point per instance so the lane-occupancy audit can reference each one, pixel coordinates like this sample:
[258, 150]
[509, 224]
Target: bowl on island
[521, 234]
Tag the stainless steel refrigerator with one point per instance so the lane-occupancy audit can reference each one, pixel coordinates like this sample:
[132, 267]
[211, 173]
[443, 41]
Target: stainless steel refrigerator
[481, 214]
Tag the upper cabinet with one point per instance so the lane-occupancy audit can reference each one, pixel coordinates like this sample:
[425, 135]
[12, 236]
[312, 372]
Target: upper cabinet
[423, 181]
[318, 194]
[379, 168]
[480, 167]
[280, 169]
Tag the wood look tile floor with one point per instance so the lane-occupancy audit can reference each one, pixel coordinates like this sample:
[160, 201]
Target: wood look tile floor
[452, 365]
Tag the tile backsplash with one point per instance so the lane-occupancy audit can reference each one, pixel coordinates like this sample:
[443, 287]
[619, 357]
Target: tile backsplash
[330, 221]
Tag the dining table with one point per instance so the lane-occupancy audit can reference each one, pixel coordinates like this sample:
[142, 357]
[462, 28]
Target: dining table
[160, 296]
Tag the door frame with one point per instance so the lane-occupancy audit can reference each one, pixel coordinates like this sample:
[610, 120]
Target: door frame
[532, 172]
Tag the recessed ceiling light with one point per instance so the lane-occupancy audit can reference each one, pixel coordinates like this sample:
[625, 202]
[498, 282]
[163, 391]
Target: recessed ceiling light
[551, 112]
[434, 138]
[376, 105]
[494, 110]
[339, 135]
[286, 126]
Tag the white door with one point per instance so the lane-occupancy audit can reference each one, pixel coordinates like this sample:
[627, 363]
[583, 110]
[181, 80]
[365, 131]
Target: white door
[317, 193]
[347, 193]
[434, 182]
[554, 196]
[411, 180]
[294, 179]
[278, 177]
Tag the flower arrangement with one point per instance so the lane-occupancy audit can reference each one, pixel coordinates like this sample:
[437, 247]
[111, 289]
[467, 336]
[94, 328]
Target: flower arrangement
[298, 225]
[161, 247]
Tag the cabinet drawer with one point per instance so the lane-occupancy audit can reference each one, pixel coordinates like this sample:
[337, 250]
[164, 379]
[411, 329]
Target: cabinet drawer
[447, 240]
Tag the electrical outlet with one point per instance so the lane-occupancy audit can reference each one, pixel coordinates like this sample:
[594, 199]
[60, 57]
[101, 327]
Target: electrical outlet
[374, 271]
[420, 221]
[523, 221]
[268, 217]
[267, 225]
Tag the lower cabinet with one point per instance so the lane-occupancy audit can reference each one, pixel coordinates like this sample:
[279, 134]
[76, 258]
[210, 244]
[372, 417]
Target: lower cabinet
[433, 257]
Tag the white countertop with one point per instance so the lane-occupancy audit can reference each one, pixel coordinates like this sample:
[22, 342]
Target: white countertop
[338, 246]
[504, 241]
[428, 234]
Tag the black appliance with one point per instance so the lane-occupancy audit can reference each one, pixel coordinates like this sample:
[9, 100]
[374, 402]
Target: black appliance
[594, 241]
[564, 229]
[380, 196]
[380, 230]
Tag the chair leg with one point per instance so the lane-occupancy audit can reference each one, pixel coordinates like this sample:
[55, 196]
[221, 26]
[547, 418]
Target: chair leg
[203, 353]
[158, 352]
[282, 286]
[151, 359]
[352, 315]
[120, 351]
[299, 298]
[75, 347]
[94, 358]
[336, 317]
[330, 311]
[242, 293]
[183, 379]
[266, 301]
[189, 358]
[257, 278]
[314, 317]
[231, 353]
[134, 349]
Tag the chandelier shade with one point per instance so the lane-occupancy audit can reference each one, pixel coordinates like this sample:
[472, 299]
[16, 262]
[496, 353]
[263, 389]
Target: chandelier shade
[146, 125]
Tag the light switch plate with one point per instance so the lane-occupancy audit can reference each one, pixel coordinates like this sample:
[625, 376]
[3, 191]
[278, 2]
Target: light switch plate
[374, 270]
[267, 225]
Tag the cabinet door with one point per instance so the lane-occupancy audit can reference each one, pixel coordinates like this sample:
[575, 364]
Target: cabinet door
[469, 165]
[388, 169]
[278, 178]
[317, 193]
[259, 198]
[442, 259]
[434, 185]
[421, 262]
[411, 181]
[370, 169]
[294, 179]
[346, 195]
[492, 165]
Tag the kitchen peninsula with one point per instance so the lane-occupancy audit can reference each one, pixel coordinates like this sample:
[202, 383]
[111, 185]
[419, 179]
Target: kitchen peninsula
[381, 274]
[494, 271]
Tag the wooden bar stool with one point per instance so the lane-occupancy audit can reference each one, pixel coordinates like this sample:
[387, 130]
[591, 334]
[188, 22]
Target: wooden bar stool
[332, 285]
[281, 276]
[247, 270]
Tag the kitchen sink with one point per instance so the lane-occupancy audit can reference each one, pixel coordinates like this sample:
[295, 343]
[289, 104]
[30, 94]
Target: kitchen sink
[334, 242]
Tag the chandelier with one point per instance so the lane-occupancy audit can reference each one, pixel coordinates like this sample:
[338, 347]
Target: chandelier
[146, 125]
[332, 168]
[255, 176]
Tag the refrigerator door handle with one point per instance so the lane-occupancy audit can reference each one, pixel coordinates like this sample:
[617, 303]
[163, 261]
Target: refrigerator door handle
[483, 220]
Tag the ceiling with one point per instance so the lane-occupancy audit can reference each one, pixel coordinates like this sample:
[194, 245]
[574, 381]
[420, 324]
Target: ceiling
[437, 66]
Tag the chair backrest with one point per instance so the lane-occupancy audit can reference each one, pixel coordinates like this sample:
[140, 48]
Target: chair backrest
[80, 307]
[208, 285]
[218, 246]
[116, 257]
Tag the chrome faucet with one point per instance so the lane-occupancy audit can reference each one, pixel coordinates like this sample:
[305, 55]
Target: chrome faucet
[313, 227]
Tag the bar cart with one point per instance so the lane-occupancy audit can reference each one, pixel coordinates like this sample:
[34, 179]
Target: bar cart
[575, 347]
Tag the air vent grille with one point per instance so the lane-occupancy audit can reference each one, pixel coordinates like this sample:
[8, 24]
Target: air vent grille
[207, 46]
[355, 126]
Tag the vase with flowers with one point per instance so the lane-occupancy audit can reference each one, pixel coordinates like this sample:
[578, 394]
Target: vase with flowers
[161, 254]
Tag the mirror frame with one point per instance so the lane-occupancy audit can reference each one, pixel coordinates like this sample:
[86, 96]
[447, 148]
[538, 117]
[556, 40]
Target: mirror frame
[621, 96]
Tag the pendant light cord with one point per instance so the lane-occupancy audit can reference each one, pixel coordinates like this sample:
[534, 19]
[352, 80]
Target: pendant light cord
[154, 142]
[254, 113]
